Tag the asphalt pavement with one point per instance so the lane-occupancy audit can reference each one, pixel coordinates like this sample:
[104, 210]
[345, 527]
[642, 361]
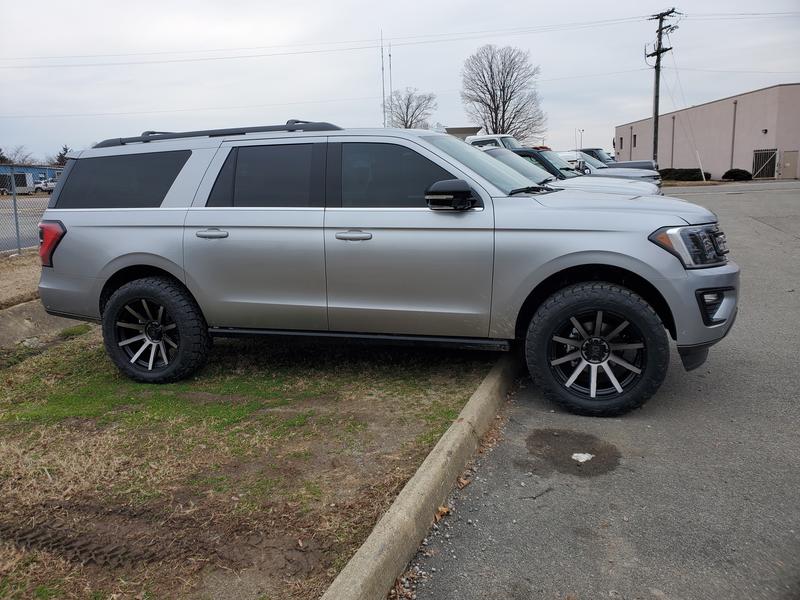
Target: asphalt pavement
[695, 496]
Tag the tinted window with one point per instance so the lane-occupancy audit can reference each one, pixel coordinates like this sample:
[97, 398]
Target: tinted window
[386, 175]
[126, 181]
[222, 192]
[273, 176]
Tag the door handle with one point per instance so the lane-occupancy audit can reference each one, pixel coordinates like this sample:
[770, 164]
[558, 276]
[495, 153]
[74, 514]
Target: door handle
[212, 233]
[353, 235]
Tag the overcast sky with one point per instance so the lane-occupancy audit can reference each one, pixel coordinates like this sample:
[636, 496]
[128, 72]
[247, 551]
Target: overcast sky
[322, 63]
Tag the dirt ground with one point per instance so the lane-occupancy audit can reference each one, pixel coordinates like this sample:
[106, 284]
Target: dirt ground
[257, 479]
[19, 278]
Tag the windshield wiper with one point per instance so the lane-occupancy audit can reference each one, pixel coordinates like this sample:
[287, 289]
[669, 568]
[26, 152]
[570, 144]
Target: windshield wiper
[529, 189]
[547, 180]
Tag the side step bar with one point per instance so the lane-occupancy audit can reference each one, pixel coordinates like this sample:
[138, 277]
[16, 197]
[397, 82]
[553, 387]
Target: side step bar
[451, 342]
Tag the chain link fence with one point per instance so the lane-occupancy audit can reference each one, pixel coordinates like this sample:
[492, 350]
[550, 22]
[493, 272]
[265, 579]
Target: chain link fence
[21, 208]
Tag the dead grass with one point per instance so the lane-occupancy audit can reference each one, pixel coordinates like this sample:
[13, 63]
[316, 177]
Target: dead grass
[20, 278]
[258, 478]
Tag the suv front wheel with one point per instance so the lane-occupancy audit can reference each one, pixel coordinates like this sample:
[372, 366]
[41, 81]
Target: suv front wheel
[154, 331]
[597, 349]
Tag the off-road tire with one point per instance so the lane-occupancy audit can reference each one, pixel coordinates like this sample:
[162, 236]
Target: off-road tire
[597, 296]
[192, 330]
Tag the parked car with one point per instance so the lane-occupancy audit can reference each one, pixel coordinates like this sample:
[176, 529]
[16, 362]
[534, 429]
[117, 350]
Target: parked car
[591, 166]
[607, 185]
[605, 158]
[310, 229]
[45, 185]
[493, 141]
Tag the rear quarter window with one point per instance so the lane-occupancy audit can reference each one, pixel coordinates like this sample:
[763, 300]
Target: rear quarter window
[125, 181]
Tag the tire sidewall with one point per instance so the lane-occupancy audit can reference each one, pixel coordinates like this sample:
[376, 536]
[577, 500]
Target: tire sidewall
[554, 312]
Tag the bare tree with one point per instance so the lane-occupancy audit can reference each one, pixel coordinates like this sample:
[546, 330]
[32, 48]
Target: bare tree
[3, 158]
[408, 109]
[20, 155]
[499, 92]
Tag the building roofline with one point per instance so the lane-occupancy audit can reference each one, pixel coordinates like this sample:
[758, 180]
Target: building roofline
[650, 118]
[38, 166]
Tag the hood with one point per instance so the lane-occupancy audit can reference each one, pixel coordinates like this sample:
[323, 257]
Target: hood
[666, 205]
[627, 173]
[608, 185]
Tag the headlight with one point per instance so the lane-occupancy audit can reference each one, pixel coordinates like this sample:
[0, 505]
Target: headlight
[697, 246]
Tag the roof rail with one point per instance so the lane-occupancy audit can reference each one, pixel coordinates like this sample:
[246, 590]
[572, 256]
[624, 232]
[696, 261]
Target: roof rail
[152, 136]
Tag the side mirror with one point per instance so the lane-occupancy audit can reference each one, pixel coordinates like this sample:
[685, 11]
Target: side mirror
[451, 194]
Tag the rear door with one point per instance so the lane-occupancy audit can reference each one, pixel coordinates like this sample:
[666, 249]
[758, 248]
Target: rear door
[393, 265]
[253, 241]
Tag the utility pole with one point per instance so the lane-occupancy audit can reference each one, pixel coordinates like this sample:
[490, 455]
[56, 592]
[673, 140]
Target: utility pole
[657, 52]
[383, 83]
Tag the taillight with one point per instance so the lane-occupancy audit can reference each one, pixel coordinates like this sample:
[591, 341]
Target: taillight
[50, 234]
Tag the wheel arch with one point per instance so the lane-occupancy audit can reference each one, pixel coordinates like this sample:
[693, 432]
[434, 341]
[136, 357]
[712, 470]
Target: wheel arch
[594, 272]
[131, 272]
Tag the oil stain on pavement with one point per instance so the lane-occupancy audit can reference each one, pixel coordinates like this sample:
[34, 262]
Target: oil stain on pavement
[557, 449]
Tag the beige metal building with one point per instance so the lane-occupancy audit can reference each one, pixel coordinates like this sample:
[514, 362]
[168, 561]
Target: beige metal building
[758, 131]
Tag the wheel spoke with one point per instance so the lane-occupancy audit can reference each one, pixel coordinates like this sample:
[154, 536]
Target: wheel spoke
[147, 310]
[632, 346]
[593, 380]
[163, 353]
[579, 328]
[566, 358]
[598, 324]
[130, 340]
[160, 313]
[152, 357]
[567, 341]
[575, 373]
[624, 363]
[617, 331]
[139, 317]
[139, 352]
[136, 326]
[170, 342]
[170, 326]
[611, 376]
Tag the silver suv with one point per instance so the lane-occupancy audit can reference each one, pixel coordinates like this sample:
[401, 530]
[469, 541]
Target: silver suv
[169, 239]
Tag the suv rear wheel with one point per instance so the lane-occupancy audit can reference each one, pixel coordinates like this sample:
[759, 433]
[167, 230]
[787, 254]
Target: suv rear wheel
[597, 349]
[154, 331]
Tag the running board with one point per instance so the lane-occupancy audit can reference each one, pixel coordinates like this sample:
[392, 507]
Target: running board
[452, 342]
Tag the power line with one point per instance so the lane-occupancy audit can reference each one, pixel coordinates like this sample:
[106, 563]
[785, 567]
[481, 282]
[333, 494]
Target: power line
[369, 44]
[247, 106]
[737, 71]
[374, 41]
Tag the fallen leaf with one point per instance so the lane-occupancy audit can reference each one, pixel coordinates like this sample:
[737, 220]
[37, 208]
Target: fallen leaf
[463, 482]
[441, 513]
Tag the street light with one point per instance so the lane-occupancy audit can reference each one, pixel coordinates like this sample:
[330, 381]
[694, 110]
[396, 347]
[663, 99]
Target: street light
[579, 131]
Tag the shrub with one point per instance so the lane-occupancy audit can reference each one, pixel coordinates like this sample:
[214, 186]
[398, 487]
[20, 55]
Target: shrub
[683, 174]
[737, 175]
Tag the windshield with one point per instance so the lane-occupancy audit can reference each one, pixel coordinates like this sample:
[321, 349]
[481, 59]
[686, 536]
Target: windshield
[525, 167]
[591, 160]
[559, 163]
[603, 156]
[501, 176]
[510, 142]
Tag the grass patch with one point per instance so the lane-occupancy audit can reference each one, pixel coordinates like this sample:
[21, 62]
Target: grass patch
[74, 331]
[271, 441]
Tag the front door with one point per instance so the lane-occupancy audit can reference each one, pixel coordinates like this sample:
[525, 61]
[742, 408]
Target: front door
[253, 241]
[393, 265]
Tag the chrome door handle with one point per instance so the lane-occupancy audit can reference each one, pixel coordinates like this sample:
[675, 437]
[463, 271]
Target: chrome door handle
[353, 236]
[212, 233]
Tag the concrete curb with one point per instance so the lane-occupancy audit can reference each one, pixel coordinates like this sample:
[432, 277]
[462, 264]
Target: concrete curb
[384, 555]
